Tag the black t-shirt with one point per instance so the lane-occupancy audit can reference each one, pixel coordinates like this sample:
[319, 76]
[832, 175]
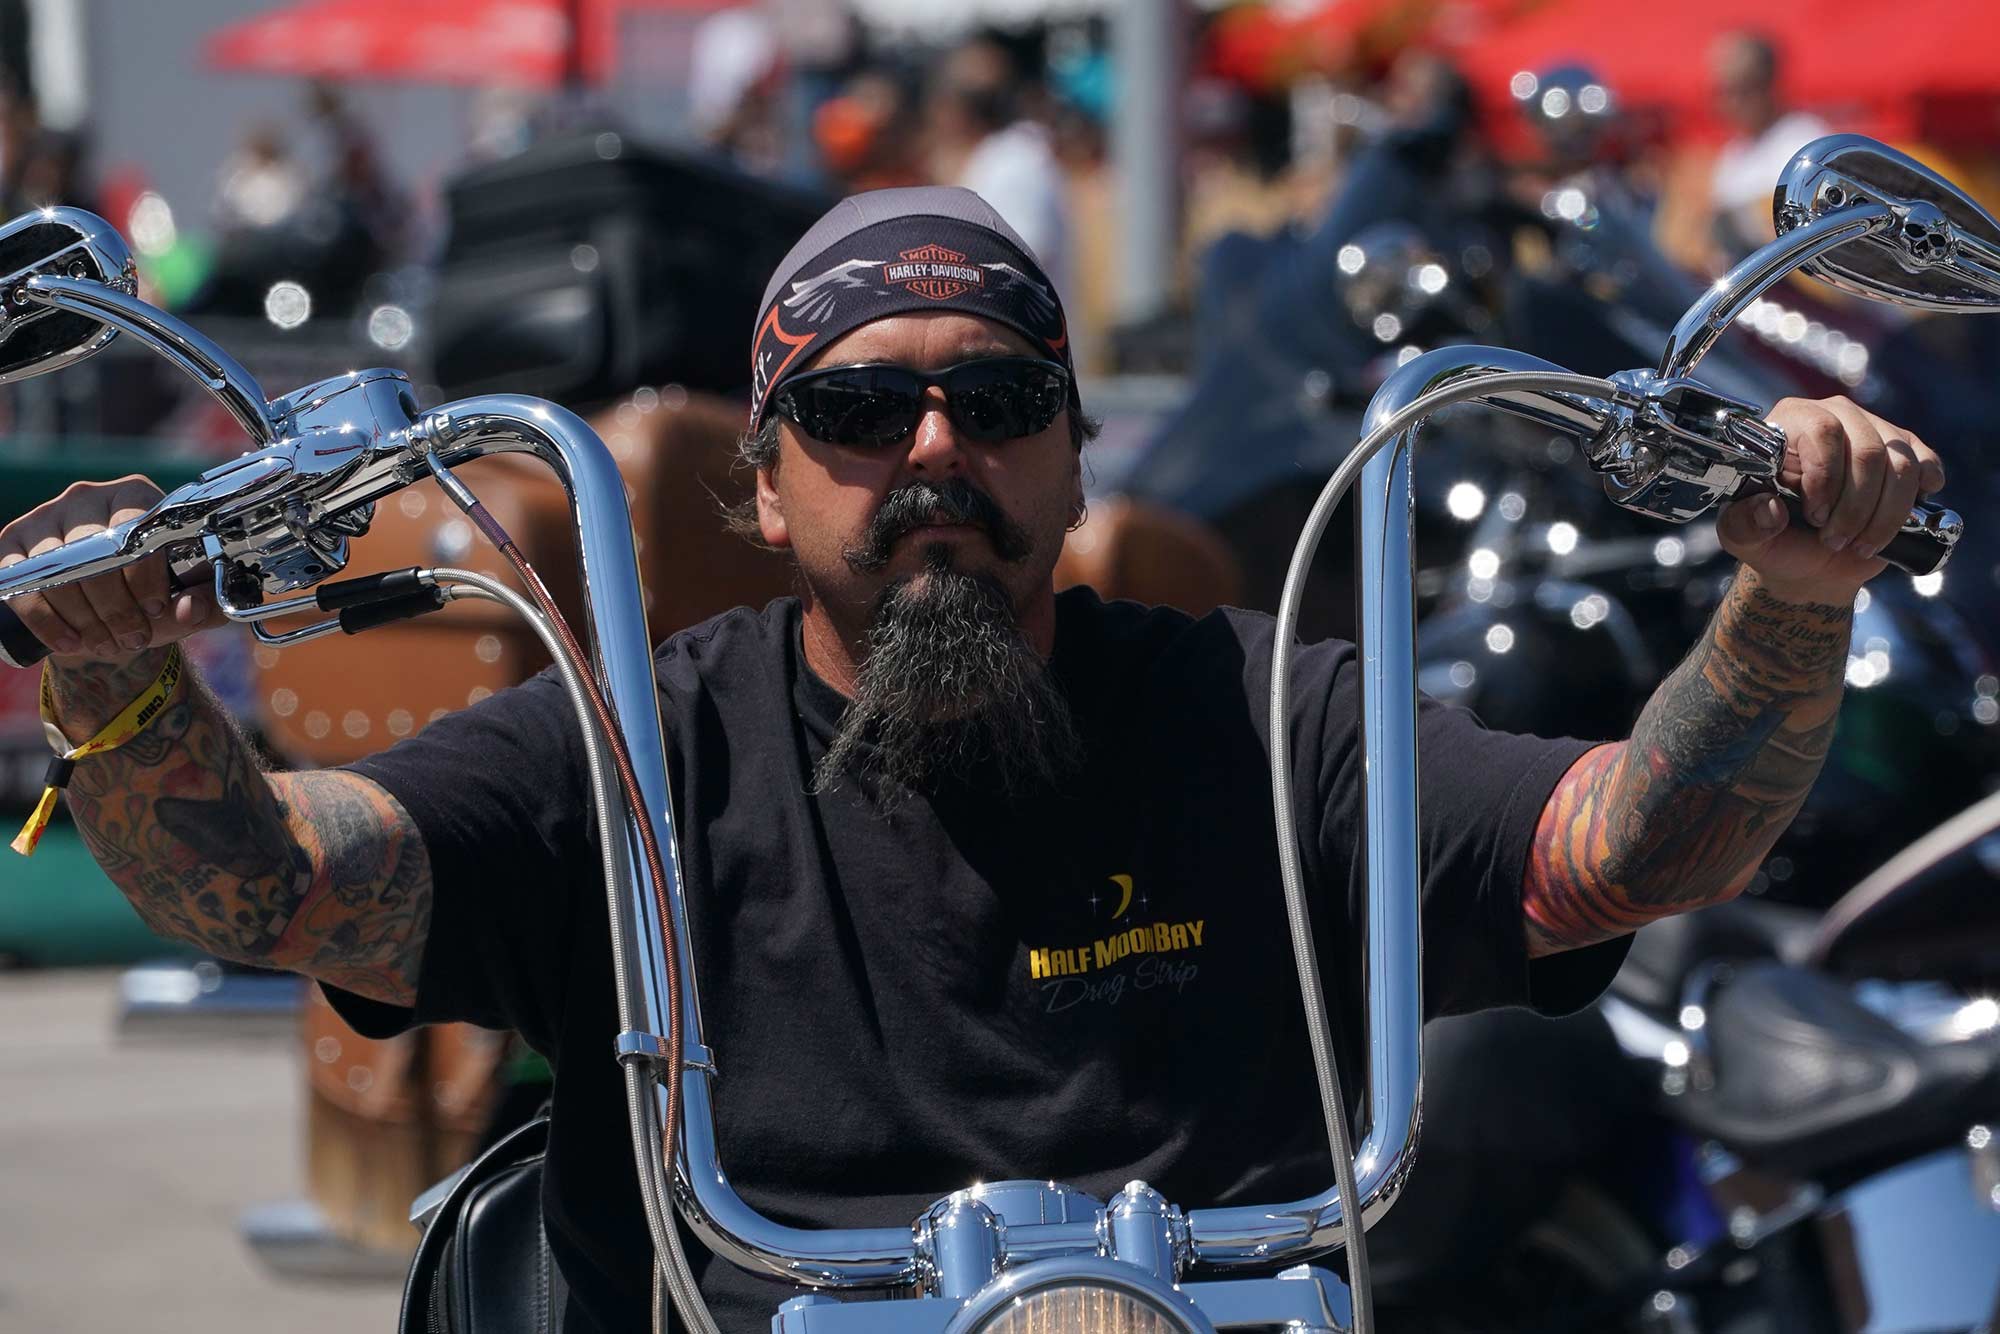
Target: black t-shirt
[1090, 988]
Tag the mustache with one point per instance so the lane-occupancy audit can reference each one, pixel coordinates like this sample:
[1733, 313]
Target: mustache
[952, 501]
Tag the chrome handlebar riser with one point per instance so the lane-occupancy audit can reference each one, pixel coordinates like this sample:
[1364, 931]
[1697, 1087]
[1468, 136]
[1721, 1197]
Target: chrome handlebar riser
[1393, 961]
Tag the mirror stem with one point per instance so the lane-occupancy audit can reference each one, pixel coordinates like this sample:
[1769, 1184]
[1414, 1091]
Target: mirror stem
[1732, 293]
[189, 349]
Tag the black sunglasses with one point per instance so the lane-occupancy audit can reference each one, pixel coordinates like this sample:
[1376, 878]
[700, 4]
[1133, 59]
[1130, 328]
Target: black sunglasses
[988, 400]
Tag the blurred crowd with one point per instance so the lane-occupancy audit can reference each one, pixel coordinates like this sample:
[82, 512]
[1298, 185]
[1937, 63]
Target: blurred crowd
[1277, 105]
[1271, 118]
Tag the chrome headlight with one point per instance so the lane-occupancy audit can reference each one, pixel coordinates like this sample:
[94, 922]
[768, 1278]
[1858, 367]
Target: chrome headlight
[1079, 1295]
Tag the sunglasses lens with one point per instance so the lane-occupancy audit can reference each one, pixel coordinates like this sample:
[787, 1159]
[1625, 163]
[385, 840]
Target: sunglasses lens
[1002, 400]
[863, 406]
[871, 406]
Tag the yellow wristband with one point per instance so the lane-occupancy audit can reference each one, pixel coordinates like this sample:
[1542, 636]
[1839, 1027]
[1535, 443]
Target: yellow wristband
[134, 719]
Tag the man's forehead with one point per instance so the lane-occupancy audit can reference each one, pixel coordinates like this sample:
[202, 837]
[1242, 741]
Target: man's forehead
[926, 339]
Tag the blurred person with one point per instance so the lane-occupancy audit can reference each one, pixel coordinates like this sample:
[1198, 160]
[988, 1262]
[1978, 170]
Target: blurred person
[47, 167]
[328, 230]
[502, 122]
[18, 122]
[1094, 231]
[820, 49]
[261, 183]
[356, 177]
[1744, 70]
[867, 133]
[1239, 165]
[734, 96]
[49, 170]
[982, 140]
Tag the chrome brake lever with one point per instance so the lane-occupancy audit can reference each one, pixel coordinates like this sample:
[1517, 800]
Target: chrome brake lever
[1676, 448]
[279, 519]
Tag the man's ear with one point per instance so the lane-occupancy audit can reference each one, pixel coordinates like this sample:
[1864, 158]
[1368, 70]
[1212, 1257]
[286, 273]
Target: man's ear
[770, 514]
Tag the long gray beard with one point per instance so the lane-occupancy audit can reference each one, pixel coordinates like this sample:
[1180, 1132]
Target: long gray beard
[951, 689]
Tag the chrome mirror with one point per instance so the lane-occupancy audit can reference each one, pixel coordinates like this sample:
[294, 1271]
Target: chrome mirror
[1941, 252]
[55, 243]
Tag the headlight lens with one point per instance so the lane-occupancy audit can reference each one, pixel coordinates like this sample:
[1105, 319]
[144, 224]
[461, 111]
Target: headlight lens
[1079, 1294]
[1081, 1309]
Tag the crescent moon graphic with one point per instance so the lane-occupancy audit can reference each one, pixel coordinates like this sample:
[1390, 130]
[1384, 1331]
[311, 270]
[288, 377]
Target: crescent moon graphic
[1124, 883]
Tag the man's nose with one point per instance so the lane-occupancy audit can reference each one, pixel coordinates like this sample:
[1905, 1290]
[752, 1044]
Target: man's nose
[935, 446]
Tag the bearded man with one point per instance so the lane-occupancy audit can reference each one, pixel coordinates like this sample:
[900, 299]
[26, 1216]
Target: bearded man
[983, 879]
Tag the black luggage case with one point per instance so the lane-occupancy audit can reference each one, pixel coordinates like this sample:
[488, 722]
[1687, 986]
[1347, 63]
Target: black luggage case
[590, 264]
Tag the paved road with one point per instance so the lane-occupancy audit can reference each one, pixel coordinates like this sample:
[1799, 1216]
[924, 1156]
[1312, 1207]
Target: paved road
[124, 1166]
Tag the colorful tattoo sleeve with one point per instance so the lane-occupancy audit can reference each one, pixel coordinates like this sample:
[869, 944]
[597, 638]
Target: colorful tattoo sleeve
[319, 873]
[1719, 762]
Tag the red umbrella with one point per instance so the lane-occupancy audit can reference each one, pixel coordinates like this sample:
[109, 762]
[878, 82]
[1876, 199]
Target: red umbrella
[1875, 52]
[1264, 47]
[531, 43]
[1857, 57]
[1647, 55]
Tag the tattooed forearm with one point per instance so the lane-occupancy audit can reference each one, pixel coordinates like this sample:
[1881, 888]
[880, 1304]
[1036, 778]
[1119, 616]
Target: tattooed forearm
[320, 873]
[1719, 762]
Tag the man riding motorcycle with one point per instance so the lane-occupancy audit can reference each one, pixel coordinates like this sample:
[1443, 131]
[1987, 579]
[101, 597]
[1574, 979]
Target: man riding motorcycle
[985, 877]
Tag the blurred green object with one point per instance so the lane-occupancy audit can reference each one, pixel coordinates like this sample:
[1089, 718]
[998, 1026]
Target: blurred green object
[58, 910]
[178, 273]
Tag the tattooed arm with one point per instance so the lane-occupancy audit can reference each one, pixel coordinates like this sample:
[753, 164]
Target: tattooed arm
[318, 873]
[1720, 760]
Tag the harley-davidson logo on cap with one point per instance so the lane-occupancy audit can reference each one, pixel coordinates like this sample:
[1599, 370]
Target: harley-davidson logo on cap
[935, 272]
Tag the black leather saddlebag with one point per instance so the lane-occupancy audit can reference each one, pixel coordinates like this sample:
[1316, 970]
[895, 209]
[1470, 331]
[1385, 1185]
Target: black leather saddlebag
[484, 1262]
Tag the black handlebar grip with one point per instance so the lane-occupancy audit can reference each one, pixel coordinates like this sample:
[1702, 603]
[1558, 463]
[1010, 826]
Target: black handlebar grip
[1924, 544]
[18, 645]
[20, 648]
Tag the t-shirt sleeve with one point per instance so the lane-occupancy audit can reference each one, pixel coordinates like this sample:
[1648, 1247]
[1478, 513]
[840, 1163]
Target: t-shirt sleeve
[1482, 794]
[499, 793]
[1480, 797]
